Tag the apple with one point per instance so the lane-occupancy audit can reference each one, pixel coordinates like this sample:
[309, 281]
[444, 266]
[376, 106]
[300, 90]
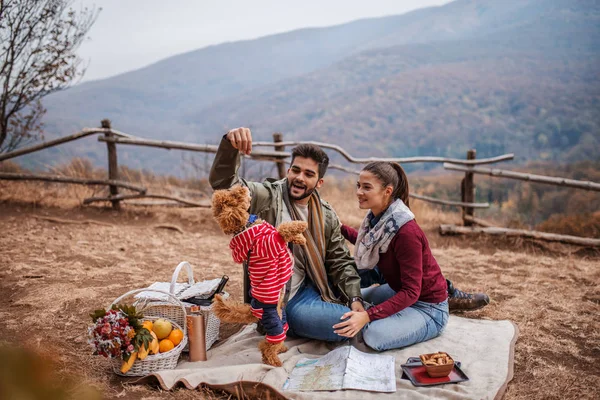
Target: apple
[162, 328]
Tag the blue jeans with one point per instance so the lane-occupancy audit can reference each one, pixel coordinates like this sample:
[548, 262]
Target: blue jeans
[311, 317]
[415, 324]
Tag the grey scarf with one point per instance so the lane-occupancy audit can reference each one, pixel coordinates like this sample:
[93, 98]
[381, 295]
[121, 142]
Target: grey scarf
[373, 241]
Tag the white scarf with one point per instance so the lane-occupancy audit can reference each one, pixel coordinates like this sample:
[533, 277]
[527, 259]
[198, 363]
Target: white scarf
[374, 241]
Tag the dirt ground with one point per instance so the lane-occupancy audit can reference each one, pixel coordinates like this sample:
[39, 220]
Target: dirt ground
[57, 264]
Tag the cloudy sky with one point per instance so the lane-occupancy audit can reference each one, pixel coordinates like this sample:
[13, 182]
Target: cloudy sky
[130, 34]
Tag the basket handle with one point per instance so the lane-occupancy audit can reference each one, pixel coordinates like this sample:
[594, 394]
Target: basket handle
[172, 296]
[190, 275]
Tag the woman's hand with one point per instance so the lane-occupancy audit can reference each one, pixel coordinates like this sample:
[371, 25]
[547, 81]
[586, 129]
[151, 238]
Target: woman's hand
[355, 322]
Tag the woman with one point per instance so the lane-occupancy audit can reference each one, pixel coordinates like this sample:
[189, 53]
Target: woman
[412, 306]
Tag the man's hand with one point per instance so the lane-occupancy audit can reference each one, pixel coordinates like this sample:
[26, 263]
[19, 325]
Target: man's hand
[241, 139]
[357, 306]
[352, 325]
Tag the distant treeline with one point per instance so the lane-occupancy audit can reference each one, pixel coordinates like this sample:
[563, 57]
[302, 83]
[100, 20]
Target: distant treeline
[530, 205]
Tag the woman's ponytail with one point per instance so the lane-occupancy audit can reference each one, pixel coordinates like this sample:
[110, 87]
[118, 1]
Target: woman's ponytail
[401, 191]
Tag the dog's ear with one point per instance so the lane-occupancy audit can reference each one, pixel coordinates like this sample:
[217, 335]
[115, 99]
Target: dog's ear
[219, 200]
[240, 193]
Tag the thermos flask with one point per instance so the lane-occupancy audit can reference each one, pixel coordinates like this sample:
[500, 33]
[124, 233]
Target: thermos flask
[196, 334]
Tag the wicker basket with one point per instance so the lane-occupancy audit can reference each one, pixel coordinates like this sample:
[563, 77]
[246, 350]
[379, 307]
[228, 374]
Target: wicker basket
[166, 310]
[160, 361]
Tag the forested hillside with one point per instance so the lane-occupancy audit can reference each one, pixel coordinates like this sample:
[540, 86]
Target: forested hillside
[510, 76]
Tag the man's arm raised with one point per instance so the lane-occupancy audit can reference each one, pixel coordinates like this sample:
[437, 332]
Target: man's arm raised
[223, 173]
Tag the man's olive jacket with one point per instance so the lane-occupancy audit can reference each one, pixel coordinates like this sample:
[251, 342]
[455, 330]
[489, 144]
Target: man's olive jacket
[267, 204]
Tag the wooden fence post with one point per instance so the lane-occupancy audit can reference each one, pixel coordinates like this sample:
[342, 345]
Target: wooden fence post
[113, 166]
[278, 137]
[468, 191]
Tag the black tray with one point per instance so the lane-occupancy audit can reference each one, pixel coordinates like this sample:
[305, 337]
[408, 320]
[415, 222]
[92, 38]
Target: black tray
[415, 371]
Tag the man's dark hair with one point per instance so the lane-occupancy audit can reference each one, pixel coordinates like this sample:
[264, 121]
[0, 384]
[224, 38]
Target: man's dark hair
[313, 152]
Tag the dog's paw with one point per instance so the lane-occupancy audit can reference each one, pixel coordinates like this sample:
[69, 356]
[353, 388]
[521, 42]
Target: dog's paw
[272, 360]
[283, 349]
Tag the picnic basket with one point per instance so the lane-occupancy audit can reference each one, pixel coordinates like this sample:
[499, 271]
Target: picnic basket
[181, 292]
[160, 361]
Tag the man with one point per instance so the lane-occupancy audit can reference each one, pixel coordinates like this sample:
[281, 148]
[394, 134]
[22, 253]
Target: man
[325, 284]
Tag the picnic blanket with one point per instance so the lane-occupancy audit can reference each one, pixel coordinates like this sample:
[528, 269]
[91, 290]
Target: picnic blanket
[485, 349]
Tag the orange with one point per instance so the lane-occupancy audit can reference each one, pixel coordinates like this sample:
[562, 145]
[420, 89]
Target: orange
[176, 336]
[165, 345]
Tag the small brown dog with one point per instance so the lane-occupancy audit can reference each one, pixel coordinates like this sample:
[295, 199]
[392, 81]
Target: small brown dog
[270, 266]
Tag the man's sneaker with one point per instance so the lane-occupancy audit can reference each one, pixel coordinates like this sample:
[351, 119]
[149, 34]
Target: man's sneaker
[461, 301]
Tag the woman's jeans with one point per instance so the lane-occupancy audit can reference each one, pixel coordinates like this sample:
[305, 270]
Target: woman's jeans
[311, 317]
[415, 324]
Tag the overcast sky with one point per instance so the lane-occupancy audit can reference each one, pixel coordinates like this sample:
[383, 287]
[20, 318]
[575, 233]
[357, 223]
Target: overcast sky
[130, 34]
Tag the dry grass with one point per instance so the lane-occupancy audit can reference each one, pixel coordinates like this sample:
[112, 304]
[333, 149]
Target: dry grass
[54, 273]
[576, 225]
[60, 195]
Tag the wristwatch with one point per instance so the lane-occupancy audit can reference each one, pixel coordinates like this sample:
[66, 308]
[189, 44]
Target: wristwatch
[356, 298]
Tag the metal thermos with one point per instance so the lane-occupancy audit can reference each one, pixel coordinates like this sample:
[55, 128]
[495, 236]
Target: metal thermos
[196, 335]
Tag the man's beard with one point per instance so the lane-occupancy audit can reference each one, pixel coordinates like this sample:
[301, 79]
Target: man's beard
[307, 192]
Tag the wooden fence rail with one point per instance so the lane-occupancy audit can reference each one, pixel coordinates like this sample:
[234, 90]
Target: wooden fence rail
[51, 143]
[469, 166]
[204, 148]
[400, 160]
[467, 230]
[67, 179]
[420, 196]
[526, 177]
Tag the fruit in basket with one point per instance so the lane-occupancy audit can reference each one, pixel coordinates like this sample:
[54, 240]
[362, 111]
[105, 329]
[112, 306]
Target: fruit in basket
[154, 348]
[143, 352]
[162, 328]
[142, 341]
[127, 364]
[176, 336]
[166, 345]
[147, 325]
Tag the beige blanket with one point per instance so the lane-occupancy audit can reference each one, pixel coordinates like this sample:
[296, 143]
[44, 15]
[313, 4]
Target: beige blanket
[485, 348]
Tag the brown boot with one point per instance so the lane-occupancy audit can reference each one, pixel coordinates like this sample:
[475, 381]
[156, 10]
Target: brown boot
[459, 301]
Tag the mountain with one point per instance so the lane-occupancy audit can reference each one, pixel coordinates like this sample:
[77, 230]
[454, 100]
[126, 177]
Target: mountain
[512, 76]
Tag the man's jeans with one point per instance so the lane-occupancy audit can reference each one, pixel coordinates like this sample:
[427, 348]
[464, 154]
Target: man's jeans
[415, 324]
[311, 317]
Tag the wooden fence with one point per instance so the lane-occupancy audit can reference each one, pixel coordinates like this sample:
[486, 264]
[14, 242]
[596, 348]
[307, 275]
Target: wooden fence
[470, 166]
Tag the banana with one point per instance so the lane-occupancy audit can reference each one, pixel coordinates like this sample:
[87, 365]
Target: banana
[127, 364]
[143, 352]
[154, 344]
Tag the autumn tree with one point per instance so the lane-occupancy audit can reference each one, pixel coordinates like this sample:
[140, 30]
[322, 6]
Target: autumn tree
[38, 44]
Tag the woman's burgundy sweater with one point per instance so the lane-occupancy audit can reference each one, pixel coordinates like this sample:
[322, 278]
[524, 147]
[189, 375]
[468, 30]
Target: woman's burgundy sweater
[409, 268]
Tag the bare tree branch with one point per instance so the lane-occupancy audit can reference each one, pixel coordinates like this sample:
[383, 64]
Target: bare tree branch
[38, 44]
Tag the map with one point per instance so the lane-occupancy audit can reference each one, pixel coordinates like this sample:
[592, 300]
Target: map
[344, 368]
